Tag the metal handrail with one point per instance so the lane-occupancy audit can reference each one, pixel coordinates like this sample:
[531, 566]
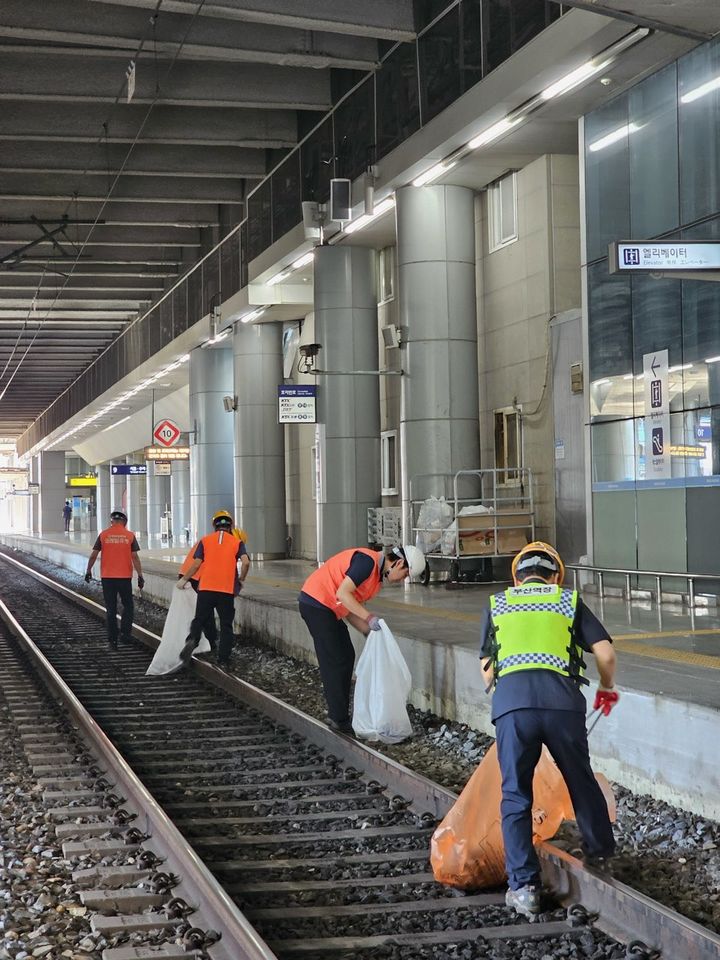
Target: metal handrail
[657, 574]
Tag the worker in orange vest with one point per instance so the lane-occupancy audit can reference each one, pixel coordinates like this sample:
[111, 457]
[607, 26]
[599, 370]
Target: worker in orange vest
[216, 557]
[209, 628]
[335, 592]
[118, 550]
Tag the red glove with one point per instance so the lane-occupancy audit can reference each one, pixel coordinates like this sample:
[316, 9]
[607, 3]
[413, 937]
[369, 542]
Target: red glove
[605, 700]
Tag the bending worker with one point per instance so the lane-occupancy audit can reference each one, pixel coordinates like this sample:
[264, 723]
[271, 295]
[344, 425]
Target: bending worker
[218, 553]
[118, 549]
[534, 636]
[337, 591]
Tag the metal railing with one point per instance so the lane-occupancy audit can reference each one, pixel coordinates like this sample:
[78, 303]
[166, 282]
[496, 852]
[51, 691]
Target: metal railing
[659, 576]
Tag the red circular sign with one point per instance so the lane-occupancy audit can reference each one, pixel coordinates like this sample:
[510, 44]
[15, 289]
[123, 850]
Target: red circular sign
[166, 433]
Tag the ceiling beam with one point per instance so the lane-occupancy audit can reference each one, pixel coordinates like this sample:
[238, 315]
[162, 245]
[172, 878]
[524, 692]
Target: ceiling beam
[53, 79]
[156, 189]
[389, 19]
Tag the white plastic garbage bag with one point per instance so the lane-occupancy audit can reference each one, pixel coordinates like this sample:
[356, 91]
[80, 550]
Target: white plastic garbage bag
[175, 631]
[433, 517]
[381, 690]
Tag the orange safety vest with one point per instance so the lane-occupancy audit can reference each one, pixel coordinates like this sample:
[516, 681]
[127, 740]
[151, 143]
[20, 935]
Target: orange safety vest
[116, 552]
[219, 568]
[189, 561]
[323, 583]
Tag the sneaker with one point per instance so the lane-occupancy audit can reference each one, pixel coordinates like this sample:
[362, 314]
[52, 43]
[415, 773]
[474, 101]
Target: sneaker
[341, 726]
[187, 651]
[525, 901]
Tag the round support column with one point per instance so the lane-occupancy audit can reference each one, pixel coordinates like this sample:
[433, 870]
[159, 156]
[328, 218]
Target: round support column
[103, 500]
[211, 447]
[439, 415]
[348, 430]
[180, 499]
[259, 438]
[158, 500]
[136, 499]
[118, 500]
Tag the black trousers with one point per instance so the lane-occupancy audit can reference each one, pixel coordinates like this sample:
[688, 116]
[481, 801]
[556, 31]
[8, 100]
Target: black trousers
[114, 587]
[209, 628]
[520, 737]
[335, 656]
[207, 602]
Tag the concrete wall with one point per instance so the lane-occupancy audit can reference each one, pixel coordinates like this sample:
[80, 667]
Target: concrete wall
[519, 288]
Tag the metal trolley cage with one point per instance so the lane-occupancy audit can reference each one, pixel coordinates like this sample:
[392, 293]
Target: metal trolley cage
[509, 522]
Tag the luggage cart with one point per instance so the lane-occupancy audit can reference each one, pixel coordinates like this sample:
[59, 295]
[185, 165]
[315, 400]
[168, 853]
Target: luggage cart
[501, 519]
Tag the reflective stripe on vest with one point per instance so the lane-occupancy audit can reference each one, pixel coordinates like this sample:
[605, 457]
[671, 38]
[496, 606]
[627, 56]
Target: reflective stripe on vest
[219, 567]
[323, 583]
[533, 630]
[116, 552]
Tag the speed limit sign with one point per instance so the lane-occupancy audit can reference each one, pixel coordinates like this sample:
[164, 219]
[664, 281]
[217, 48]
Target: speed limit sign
[166, 433]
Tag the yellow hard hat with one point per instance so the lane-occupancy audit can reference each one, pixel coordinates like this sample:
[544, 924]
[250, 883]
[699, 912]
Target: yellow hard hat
[542, 551]
[222, 519]
[240, 534]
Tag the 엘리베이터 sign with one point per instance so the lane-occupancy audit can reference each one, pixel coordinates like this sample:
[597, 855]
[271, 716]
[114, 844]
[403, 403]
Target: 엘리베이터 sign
[660, 256]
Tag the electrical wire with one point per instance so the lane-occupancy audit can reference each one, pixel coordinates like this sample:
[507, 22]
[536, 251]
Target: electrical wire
[191, 24]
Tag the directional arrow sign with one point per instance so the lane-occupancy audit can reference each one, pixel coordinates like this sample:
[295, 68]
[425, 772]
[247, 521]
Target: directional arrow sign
[654, 366]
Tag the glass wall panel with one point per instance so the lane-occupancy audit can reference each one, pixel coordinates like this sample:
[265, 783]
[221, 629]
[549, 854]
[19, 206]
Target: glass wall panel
[652, 140]
[355, 131]
[180, 309]
[699, 128]
[610, 327]
[259, 207]
[166, 328]
[471, 65]
[427, 10]
[211, 282]
[616, 450]
[607, 177]
[440, 70]
[398, 105]
[657, 325]
[509, 24]
[317, 163]
[194, 297]
[286, 209]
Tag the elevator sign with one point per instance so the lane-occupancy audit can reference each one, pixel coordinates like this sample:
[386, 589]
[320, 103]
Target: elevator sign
[660, 256]
[657, 416]
[166, 433]
[296, 404]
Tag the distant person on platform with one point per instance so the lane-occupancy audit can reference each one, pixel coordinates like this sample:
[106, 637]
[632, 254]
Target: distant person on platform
[67, 515]
[118, 551]
[216, 556]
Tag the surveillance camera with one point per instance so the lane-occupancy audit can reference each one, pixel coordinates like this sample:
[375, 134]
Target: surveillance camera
[230, 404]
[309, 350]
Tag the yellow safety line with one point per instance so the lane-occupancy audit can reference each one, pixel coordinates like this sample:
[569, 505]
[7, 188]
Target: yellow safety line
[666, 653]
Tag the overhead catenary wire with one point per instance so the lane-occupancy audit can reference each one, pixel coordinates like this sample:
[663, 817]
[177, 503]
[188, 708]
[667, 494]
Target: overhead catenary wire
[106, 199]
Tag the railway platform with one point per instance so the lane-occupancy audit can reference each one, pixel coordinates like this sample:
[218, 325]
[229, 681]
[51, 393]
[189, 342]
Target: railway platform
[662, 740]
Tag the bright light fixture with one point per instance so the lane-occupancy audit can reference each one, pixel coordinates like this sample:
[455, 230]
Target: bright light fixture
[712, 360]
[434, 172]
[573, 79]
[253, 315]
[702, 91]
[105, 429]
[303, 261]
[279, 277]
[493, 132]
[628, 376]
[624, 131]
[380, 208]
[680, 366]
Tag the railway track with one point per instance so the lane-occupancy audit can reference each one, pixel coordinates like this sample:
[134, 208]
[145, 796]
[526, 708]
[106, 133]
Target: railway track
[261, 814]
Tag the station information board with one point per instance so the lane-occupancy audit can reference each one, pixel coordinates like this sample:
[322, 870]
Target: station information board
[664, 256]
[297, 404]
[128, 469]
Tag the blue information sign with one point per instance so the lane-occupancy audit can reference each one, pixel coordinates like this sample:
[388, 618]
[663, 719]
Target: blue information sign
[128, 469]
[296, 404]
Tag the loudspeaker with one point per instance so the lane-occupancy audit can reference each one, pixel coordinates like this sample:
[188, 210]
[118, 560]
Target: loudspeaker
[340, 203]
[312, 220]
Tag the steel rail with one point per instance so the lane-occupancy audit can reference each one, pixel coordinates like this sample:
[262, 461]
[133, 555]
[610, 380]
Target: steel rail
[623, 913]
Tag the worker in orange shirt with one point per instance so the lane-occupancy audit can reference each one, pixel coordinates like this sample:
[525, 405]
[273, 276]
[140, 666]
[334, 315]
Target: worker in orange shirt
[216, 558]
[335, 592]
[118, 550]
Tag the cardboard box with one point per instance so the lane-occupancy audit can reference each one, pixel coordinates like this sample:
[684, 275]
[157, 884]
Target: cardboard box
[477, 533]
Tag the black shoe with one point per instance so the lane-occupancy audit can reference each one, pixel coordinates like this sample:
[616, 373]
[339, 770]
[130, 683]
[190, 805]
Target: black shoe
[224, 664]
[600, 864]
[341, 726]
[113, 644]
[187, 651]
[124, 639]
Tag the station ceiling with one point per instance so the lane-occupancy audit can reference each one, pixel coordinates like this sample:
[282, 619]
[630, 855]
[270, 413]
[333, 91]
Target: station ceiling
[698, 19]
[105, 202]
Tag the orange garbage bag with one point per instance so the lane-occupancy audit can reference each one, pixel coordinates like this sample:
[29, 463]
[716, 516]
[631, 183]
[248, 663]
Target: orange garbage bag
[467, 849]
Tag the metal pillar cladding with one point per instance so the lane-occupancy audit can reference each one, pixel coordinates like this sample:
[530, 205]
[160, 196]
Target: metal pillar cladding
[158, 500]
[211, 445]
[348, 407]
[103, 499]
[136, 499]
[259, 438]
[439, 409]
[33, 502]
[117, 498]
[180, 499]
[52, 496]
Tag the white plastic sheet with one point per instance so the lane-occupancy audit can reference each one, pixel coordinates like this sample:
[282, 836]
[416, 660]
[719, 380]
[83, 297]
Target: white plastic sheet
[434, 516]
[381, 690]
[175, 631]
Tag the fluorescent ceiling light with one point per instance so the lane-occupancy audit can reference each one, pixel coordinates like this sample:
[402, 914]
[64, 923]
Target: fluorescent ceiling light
[253, 315]
[573, 79]
[628, 376]
[304, 260]
[619, 134]
[381, 208]
[278, 278]
[105, 429]
[702, 91]
[712, 360]
[433, 173]
[493, 132]
[680, 366]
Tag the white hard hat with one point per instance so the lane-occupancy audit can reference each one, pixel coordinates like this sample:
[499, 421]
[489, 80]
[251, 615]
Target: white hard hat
[413, 557]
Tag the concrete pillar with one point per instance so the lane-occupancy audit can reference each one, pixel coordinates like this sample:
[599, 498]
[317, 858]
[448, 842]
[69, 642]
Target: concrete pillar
[180, 499]
[51, 477]
[117, 499]
[348, 434]
[211, 447]
[259, 438]
[103, 500]
[158, 500]
[34, 501]
[136, 501]
[439, 417]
